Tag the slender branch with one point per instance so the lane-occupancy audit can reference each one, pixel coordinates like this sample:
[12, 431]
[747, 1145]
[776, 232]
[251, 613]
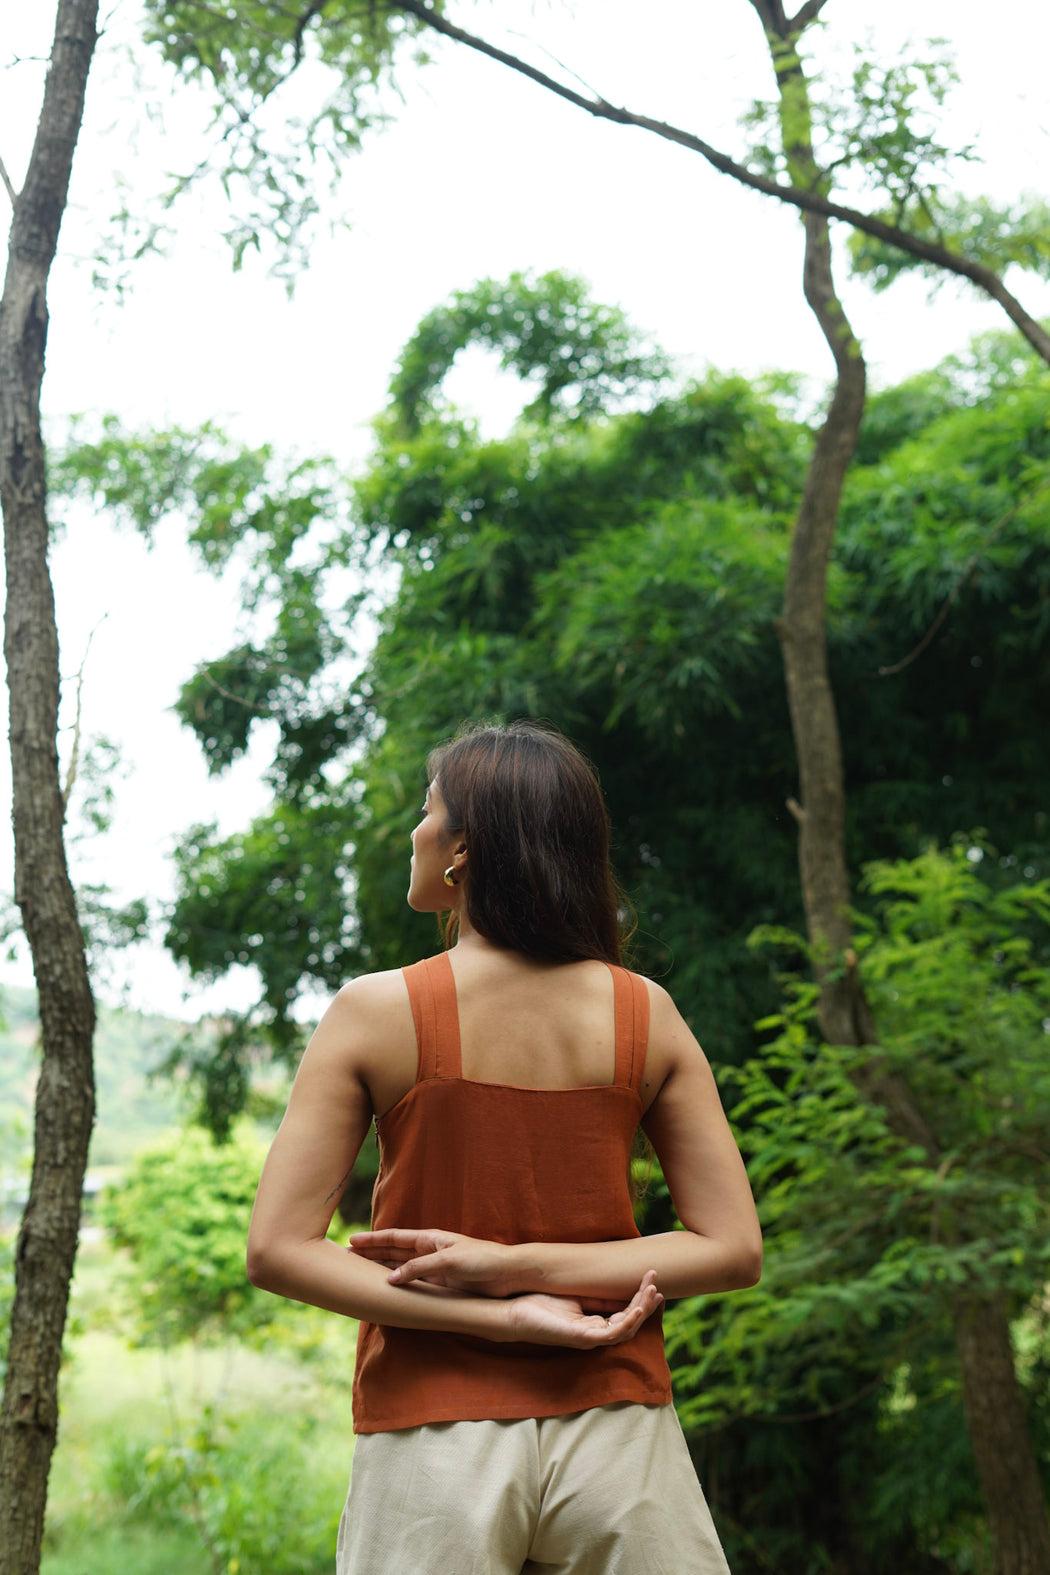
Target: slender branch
[808, 201]
[6, 179]
[806, 14]
[569, 72]
[312, 10]
[74, 754]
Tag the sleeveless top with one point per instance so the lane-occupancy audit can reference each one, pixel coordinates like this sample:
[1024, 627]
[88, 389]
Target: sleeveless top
[510, 1165]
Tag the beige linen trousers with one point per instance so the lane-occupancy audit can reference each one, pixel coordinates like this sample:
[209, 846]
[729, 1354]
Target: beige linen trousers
[609, 1491]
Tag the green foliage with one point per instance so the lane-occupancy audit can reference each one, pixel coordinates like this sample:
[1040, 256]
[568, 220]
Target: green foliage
[893, 415]
[620, 579]
[283, 527]
[89, 797]
[182, 1212]
[245, 1485]
[621, 576]
[276, 896]
[583, 356]
[947, 546]
[881, 130]
[269, 161]
[82, 1545]
[866, 1238]
[960, 983]
[195, 1458]
[880, 126]
[997, 234]
[660, 614]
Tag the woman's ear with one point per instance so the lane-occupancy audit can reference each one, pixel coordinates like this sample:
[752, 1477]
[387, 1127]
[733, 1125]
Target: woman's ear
[459, 860]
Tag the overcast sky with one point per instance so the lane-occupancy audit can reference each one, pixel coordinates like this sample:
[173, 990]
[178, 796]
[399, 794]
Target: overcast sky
[479, 173]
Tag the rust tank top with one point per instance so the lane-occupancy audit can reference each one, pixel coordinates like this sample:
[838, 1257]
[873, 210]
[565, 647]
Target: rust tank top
[510, 1165]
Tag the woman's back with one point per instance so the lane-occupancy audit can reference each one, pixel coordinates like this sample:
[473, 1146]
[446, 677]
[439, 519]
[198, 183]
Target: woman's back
[522, 1023]
[506, 1159]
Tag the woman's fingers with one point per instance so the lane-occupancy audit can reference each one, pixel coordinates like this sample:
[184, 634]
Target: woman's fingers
[431, 1265]
[391, 1243]
[405, 1252]
[624, 1324]
[393, 1237]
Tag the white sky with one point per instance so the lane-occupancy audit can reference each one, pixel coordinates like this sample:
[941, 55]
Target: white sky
[479, 173]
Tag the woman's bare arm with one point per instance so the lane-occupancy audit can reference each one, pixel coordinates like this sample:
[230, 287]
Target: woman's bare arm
[328, 1117]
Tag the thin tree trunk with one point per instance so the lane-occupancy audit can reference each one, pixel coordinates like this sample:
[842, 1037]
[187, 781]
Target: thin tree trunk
[997, 1422]
[821, 812]
[47, 1241]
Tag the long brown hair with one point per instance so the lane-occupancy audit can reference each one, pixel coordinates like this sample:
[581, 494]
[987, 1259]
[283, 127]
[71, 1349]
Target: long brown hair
[531, 812]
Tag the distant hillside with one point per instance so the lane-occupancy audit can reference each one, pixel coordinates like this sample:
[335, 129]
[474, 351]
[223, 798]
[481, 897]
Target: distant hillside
[133, 1107]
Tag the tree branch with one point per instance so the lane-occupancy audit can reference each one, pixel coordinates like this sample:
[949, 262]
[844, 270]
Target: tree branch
[808, 201]
[312, 10]
[6, 179]
[805, 15]
[74, 755]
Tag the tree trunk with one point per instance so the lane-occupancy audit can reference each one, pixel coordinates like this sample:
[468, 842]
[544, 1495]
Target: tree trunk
[997, 1422]
[65, 1101]
[994, 1403]
[821, 813]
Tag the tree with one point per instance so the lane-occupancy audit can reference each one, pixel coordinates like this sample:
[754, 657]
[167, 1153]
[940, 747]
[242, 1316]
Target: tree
[65, 1101]
[265, 44]
[995, 1408]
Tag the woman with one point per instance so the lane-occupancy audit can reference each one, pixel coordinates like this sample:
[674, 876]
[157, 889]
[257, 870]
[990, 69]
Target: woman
[511, 1398]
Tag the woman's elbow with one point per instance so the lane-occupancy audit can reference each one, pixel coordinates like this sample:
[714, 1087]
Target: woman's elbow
[741, 1261]
[749, 1265]
[259, 1264]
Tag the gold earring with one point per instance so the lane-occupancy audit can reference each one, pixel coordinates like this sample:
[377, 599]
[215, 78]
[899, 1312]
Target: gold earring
[450, 876]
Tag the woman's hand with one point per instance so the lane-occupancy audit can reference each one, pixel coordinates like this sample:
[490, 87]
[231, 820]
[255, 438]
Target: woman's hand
[565, 1320]
[440, 1257]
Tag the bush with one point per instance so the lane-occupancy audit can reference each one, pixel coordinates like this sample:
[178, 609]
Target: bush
[258, 1501]
[182, 1213]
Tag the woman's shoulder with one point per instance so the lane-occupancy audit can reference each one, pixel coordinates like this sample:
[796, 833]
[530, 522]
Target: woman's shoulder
[662, 1008]
[372, 995]
[671, 1039]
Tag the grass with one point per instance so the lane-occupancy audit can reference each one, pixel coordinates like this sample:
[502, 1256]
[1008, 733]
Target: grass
[93, 1549]
[196, 1460]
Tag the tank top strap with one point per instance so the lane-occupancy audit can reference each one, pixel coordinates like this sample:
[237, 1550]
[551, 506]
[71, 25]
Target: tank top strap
[432, 993]
[631, 1005]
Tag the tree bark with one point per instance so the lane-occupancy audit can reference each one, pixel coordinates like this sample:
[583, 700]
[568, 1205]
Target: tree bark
[65, 1101]
[821, 812]
[845, 1017]
[997, 1422]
